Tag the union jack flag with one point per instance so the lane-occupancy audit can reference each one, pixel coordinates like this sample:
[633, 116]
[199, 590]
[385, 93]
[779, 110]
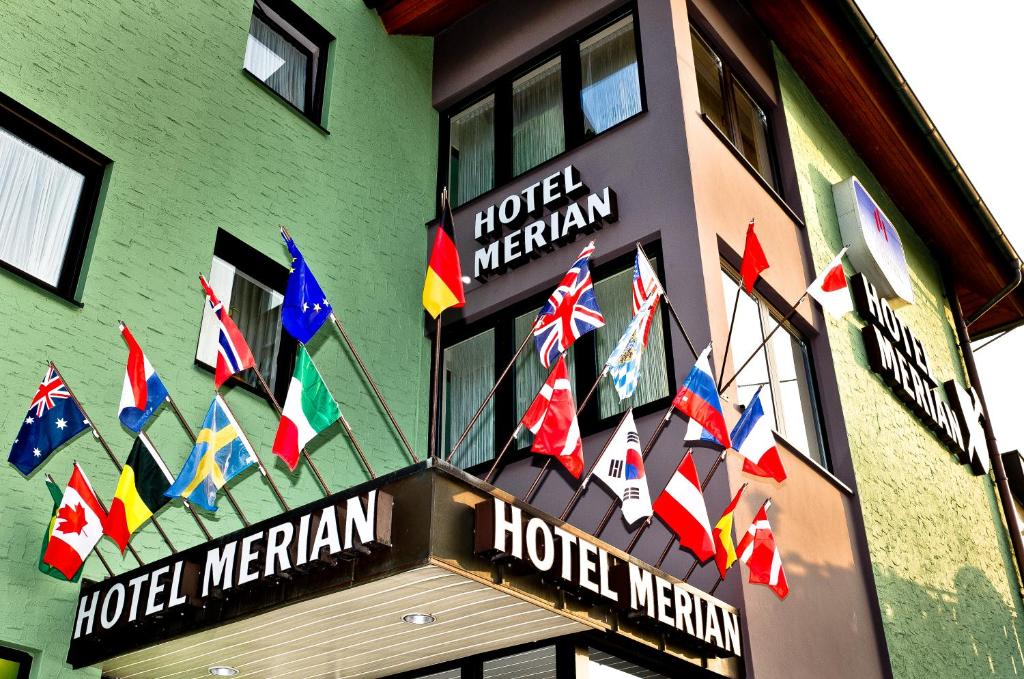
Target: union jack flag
[645, 286]
[569, 313]
[52, 387]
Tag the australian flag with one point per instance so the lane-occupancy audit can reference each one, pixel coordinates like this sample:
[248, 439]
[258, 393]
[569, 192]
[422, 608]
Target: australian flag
[569, 313]
[305, 305]
[52, 420]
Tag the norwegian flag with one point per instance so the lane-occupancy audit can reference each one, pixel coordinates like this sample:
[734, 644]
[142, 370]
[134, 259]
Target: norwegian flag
[645, 286]
[233, 353]
[569, 313]
[758, 550]
[552, 419]
[681, 506]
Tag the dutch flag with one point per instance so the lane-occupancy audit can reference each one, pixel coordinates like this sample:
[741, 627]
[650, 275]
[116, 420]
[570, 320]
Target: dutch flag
[142, 392]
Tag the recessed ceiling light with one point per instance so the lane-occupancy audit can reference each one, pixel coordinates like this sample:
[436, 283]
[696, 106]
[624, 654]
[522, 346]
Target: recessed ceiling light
[418, 618]
[223, 671]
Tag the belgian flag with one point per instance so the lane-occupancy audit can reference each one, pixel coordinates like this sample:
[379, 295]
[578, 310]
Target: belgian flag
[139, 494]
[443, 287]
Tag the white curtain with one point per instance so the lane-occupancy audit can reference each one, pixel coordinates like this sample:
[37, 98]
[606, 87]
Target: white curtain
[256, 309]
[468, 376]
[471, 169]
[277, 62]
[538, 128]
[38, 200]
[611, 81]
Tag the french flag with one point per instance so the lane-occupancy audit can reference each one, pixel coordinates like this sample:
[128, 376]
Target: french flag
[681, 506]
[752, 438]
[698, 399]
[142, 392]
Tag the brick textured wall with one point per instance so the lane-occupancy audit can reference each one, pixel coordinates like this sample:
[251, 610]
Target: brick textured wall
[941, 561]
[158, 87]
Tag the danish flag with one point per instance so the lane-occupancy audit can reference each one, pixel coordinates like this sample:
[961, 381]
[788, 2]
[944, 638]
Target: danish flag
[233, 353]
[569, 313]
[552, 419]
[757, 549]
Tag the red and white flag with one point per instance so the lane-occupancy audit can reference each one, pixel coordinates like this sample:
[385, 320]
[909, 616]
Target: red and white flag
[831, 290]
[233, 353]
[552, 419]
[754, 261]
[681, 506]
[757, 549]
[78, 527]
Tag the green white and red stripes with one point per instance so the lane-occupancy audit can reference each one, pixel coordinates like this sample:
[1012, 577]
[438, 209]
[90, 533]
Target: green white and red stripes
[308, 409]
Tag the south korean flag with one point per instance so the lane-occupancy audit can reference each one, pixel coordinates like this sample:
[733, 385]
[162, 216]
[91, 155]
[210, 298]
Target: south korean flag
[621, 470]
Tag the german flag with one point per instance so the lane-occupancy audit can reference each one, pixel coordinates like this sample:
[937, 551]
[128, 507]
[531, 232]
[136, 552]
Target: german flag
[139, 494]
[443, 287]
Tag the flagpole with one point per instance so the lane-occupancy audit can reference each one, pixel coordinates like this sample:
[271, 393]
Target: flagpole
[728, 338]
[672, 309]
[590, 472]
[95, 549]
[766, 504]
[490, 394]
[436, 385]
[186, 503]
[760, 346]
[113, 458]
[259, 463]
[192, 435]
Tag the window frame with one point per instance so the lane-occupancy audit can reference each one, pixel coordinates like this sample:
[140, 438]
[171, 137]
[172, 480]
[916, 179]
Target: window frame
[271, 274]
[298, 21]
[23, 658]
[506, 342]
[35, 130]
[572, 108]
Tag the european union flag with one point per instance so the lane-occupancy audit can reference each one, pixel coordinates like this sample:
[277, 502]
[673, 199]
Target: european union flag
[305, 305]
[52, 420]
[221, 452]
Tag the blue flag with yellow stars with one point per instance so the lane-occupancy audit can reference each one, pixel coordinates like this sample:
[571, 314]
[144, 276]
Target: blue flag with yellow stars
[305, 305]
[221, 452]
[52, 420]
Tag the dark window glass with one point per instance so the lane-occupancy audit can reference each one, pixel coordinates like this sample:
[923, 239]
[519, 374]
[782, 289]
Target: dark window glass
[709, 83]
[536, 664]
[752, 132]
[471, 162]
[601, 665]
[538, 124]
[14, 664]
[610, 77]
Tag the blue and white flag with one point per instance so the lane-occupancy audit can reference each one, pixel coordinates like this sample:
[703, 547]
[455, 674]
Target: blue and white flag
[52, 420]
[624, 362]
[305, 307]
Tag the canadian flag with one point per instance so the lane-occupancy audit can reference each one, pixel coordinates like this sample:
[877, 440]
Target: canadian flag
[552, 419]
[79, 526]
[757, 549]
[681, 506]
[831, 290]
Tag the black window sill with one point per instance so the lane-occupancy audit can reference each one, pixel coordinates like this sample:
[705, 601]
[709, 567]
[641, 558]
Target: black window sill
[765, 184]
[292, 107]
[816, 466]
[53, 290]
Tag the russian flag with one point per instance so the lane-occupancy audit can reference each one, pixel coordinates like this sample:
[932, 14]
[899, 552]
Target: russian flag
[142, 392]
[698, 399]
[752, 438]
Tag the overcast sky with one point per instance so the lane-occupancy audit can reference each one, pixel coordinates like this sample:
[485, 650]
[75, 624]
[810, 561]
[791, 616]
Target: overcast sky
[964, 61]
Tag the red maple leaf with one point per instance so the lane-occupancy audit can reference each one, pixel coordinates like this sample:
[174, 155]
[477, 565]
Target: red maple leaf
[73, 519]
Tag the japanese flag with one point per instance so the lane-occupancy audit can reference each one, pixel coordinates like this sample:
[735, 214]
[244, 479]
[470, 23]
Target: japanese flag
[831, 290]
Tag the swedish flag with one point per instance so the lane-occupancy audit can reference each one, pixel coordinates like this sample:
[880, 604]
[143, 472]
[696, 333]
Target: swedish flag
[221, 452]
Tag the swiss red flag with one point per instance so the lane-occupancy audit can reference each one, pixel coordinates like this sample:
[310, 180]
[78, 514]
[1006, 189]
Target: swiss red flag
[830, 288]
[552, 419]
[754, 261]
[79, 526]
[758, 550]
[681, 506]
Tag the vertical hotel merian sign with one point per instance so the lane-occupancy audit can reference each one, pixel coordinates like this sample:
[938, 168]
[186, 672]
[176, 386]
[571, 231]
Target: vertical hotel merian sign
[527, 224]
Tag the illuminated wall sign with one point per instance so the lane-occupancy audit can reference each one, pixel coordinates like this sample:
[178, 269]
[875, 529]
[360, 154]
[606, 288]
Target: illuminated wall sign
[875, 246]
[503, 529]
[550, 212]
[896, 354]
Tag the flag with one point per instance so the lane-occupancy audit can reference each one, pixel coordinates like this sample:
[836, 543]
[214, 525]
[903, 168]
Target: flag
[221, 452]
[569, 313]
[140, 493]
[752, 438]
[53, 419]
[831, 290]
[308, 409]
[754, 261]
[725, 549]
[621, 469]
[624, 362]
[142, 392]
[681, 506]
[233, 354]
[698, 399]
[646, 286]
[57, 494]
[442, 287]
[552, 419]
[78, 528]
[305, 306]
[757, 549]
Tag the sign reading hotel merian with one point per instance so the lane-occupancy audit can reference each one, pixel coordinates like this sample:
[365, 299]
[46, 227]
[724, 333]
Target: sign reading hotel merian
[504, 530]
[895, 353]
[549, 212]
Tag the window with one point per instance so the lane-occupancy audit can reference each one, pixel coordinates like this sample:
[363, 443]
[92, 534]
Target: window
[287, 51]
[731, 109]
[473, 359]
[49, 193]
[251, 286]
[14, 664]
[601, 665]
[585, 86]
[781, 370]
[536, 664]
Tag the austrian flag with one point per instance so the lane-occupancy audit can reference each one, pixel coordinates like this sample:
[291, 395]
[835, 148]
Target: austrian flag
[308, 410]
[681, 506]
[552, 419]
[78, 528]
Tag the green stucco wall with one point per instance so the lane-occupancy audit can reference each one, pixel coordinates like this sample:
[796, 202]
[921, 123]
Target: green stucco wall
[196, 145]
[939, 554]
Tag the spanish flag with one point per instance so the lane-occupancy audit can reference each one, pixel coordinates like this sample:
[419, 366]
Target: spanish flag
[139, 494]
[443, 287]
[721, 534]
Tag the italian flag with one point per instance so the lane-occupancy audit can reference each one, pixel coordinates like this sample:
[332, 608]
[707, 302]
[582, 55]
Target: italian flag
[308, 410]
